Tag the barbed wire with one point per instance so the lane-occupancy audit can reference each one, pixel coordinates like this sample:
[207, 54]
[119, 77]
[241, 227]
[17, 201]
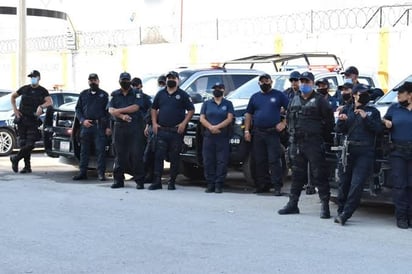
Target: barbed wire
[368, 18]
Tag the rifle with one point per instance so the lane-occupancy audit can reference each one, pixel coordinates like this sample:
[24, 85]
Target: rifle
[343, 152]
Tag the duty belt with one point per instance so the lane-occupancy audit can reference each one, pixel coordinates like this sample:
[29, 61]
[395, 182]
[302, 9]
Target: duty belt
[265, 129]
[358, 143]
[169, 129]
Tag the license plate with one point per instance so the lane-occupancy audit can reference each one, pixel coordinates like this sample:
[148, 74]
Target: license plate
[188, 140]
[65, 146]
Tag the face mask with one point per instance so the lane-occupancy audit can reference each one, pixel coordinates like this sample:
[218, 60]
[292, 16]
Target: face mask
[265, 87]
[34, 81]
[125, 84]
[305, 88]
[93, 86]
[171, 83]
[217, 93]
[348, 80]
[364, 98]
[404, 103]
[322, 91]
[346, 96]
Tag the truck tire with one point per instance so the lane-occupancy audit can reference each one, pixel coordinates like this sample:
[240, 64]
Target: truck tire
[248, 170]
[7, 142]
[191, 171]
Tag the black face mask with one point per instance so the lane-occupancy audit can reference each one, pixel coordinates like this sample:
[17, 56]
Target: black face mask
[347, 97]
[217, 93]
[404, 103]
[364, 98]
[322, 91]
[93, 86]
[171, 83]
[265, 87]
[125, 85]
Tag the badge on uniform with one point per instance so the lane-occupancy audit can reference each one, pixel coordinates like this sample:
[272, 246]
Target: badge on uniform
[273, 99]
[178, 97]
[224, 108]
[138, 95]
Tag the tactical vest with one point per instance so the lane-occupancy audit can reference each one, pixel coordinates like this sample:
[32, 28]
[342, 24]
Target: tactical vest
[30, 100]
[304, 116]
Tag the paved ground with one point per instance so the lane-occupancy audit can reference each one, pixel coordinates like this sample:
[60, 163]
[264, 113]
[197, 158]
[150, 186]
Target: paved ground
[49, 224]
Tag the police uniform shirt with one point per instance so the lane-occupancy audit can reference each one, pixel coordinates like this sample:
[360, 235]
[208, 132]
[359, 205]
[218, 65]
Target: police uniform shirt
[401, 118]
[172, 107]
[265, 108]
[119, 100]
[31, 99]
[92, 106]
[360, 129]
[146, 106]
[215, 114]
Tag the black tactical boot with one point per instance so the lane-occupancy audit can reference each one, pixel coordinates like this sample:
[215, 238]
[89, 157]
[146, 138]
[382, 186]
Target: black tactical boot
[171, 185]
[117, 184]
[341, 219]
[210, 188]
[218, 188]
[27, 166]
[291, 207]
[402, 223]
[14, 163]
[156, 184]
[324, 209]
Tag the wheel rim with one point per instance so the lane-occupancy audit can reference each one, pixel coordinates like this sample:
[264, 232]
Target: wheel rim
[6, 142]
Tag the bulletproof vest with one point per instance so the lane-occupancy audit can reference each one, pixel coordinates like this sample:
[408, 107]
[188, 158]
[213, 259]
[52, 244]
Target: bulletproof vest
[30, 100]
[304, 115]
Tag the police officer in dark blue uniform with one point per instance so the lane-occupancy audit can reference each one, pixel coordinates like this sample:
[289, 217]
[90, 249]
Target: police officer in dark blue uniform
[294, 85]
[310, 124]
[128, 125]
[172, 109]
[216, 116]
[263, 114]
[137, 86]
[323, 88]
[91, 111]
[34, 99]
[398, 119]
[360, 124]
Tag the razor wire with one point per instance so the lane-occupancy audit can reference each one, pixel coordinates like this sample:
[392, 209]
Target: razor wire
[369, 18]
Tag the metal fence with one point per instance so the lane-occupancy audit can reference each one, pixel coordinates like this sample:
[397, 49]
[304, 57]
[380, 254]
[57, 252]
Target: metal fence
[370, 18]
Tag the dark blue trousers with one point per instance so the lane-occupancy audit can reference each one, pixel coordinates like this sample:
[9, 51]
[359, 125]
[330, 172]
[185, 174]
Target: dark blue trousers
[168, 143]
[266, 149]
[310, 151]
[92, 136]
[215, 158]
[360, 167]
[401, 162]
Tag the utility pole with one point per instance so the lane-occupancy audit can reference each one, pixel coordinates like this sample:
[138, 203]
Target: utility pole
[21, 54]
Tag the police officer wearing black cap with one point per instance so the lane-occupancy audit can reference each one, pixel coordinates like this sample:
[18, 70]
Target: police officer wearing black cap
[128, 125]
[91, 111]
[294, 85]
[310, 124]
[171, 111]
[323, 88]
[263, 115]
[398, 119]
[360, 124]
[216, 117]
[34, 99]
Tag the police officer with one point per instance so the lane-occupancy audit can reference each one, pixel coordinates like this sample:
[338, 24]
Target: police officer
[91, 111]
[310, 123]
[263, 113]
[294, 85]
[360, 124]
[161, 82]
[323, 88]
[128, 125]
[169, 122]
[216, 117]
[34, 99]
[398, 119]
[137, 86]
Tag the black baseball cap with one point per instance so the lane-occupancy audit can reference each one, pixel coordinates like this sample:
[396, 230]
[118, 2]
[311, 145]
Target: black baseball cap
[161, 79]
[406, 86]
[307, 75]
[322, 81]
[345, 85]
[295, 75]
[172, 74]
[360, 88]
[136, 81]
[218, 86]
[125, 75]
[265, 76]
[34, 73]
[93, 76]
[351, 70]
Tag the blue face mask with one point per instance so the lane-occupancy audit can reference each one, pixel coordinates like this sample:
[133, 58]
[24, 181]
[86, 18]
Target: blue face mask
[348, 80]
[305, 88]
[34, 81]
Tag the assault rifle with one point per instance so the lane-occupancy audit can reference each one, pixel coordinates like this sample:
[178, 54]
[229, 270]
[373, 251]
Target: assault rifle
[343, 149]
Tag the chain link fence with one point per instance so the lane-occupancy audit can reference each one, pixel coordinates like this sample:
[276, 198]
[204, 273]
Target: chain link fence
[369, 18]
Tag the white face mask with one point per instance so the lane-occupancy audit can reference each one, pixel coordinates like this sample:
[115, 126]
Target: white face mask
[348, 80]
